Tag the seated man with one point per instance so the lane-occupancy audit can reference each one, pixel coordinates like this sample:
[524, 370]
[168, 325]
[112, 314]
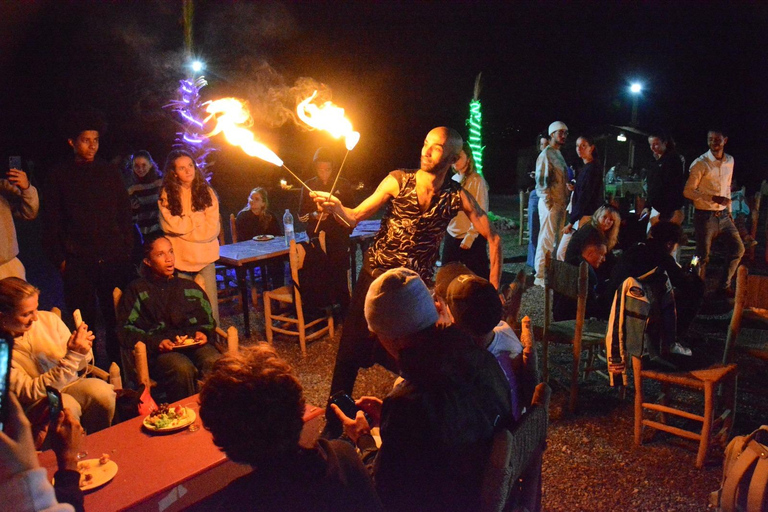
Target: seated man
[436, 425]
[593, 250]
[253, 405]
[161, 308]
[658, 251]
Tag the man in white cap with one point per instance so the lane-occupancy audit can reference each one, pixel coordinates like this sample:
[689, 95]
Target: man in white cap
[436, 425]
[551, 178]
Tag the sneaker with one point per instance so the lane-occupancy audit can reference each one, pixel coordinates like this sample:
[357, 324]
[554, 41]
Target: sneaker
[677, 348]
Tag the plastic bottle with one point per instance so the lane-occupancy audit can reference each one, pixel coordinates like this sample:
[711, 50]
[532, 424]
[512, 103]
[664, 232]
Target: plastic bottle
[288, 227]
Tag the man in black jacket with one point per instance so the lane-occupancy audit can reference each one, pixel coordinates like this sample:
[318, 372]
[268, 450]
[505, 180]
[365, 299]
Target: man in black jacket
[88, 230]
[436, 425]
[173, 317]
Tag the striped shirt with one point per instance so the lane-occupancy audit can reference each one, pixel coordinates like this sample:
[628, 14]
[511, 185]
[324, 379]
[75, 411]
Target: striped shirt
[144, 198]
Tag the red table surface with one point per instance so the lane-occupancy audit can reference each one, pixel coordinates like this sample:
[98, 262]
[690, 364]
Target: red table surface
[164, 472]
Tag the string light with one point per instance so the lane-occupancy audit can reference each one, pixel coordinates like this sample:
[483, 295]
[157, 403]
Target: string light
[475, 138]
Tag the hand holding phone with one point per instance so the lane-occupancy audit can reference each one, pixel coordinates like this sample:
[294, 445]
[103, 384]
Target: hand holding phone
[55, 403]
[78, 318]
[14, 162]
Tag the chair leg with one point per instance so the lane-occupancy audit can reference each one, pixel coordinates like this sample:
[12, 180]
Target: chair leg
[330, 324]
[302, 327]
[545, 363]
[268, 318]
[706, 428]
[637, 368]
[575, 378]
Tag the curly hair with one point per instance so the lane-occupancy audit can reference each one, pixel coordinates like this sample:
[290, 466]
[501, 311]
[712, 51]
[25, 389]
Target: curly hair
[612, 236]
[253, 405]
[201, 191]
[13, 290]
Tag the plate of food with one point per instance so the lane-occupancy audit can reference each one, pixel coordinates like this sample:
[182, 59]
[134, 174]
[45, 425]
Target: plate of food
[264, 238]
[185, 341]
[169, 419]
[96, 472]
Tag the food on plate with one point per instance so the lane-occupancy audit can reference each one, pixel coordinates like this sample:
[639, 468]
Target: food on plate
[166, 417]
[184, 340]
[104, 458]
[264, 238]
[85, 479]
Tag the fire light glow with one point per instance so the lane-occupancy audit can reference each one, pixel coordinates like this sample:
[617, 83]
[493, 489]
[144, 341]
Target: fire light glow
[231, 119]
[330, 118]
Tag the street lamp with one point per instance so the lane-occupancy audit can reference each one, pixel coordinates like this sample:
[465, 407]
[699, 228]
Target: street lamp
[635, 88]
[197, 66]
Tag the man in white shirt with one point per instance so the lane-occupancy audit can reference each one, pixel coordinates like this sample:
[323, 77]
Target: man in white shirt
[709, 187]
[551, 188]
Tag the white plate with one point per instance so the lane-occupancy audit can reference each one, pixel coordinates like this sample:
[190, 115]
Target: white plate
[186, 421]
[264, 238]
[101, 473]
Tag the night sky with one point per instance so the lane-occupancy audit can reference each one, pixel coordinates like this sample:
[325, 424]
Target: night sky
[399, 69]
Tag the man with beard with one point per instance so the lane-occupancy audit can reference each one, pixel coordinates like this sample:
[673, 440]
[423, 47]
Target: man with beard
[420, 204]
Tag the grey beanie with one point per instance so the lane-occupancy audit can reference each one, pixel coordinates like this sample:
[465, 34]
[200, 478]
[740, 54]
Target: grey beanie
[399, 304]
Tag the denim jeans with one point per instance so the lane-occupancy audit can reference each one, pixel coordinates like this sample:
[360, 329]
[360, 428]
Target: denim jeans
[533, 227]
[176, 372]
[709, 225]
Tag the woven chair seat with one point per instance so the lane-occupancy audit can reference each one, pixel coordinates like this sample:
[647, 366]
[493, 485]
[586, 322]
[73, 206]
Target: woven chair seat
[593, 331]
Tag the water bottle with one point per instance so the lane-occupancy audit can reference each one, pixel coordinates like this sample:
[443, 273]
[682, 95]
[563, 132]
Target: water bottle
[288, 227]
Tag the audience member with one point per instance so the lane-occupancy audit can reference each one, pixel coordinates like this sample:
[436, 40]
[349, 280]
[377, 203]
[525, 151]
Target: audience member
[189, 216]
[87, 229]
[253, 405]
[160, 308]
[419, 206]
[463, 242]
[542, 141]
[587, 194]
[45, 353]
[18, 198]
[436, 425]
[657, 252]
[553, 195]
[594, 247]
[144, 193]
[24, 484]
[336, 232]
[740, 212]
[709, 187]
[475, 308]
[256, 219]
[666, 180]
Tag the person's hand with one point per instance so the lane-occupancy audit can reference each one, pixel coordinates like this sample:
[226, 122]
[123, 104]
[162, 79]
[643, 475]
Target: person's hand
[570, 186]
[66, 439]
[19, 178]
[304, 218]
[81, 340]
[568, 229]
[372, 407]
[444, 317]
[165, 346]
[353, 428]
[201, 338]
[725, 201]
[17, 450]
[466, 243]
[325, 202]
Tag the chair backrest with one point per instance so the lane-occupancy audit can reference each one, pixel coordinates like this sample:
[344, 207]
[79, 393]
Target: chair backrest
[233, 228]
[222, 241]
[311, 286]
[567, 280]
[513, 451]
[751, 293]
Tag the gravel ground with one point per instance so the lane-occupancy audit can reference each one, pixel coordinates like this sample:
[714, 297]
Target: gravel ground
[591, 462]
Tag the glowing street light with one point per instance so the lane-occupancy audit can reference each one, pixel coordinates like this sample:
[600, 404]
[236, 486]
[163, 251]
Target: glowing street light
[197, 66]
[636, 88]
[621, 137]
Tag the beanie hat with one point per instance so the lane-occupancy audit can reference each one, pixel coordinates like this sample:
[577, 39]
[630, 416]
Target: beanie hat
[448, 273]
[557, 125]
[322, 155]
[399, 304]
[474, 304]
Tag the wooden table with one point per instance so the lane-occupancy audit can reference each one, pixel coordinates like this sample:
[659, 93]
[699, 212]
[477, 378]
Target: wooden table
[248, 254]
[165, 472]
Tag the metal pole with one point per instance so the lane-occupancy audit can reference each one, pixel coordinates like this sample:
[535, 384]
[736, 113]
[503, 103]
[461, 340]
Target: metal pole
[634, 125]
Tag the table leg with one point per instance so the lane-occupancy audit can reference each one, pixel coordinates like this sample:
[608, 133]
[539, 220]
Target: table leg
[243, 286]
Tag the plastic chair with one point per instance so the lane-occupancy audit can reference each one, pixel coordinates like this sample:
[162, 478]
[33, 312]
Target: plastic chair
[291, 295]
[135, 362]
[750, 308]
[707, 381]
[572, 282]
[512, 478]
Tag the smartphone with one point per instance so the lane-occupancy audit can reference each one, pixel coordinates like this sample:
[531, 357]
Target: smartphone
[54, 402]
[6, 351]
[14, 162]
[694, 261]
[78, 318]
[344, 402]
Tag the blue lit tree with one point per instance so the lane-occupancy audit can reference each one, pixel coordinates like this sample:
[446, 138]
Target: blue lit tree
[191, 114]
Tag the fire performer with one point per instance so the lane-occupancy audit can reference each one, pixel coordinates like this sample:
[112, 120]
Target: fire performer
[420, 204]
[336, 233]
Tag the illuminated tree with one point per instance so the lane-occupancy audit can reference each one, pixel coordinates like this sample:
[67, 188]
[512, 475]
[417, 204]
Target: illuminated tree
[475, 124]
[189, 107]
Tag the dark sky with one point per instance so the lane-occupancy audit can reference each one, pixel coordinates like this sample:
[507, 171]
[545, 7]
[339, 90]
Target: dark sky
[399, 68]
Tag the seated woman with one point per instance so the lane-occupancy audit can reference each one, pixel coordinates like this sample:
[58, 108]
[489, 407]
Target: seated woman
[46, 353]
[254, 406]
[606, 220]
[256, 219]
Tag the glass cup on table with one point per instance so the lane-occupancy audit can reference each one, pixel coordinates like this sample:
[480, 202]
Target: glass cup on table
[83, 453]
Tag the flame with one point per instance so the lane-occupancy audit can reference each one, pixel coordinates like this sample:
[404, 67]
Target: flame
[230, 116]
[330, 118]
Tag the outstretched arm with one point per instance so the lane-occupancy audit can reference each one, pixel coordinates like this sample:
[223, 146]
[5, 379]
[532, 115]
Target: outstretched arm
[387, 189]
[480, 220]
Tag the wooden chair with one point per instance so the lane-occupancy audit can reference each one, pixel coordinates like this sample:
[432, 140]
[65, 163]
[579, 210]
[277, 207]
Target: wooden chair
[251, 273]
[135, 360]
[572, 282]
[524, 235]
[755, 218]
[751, 309]
[512, 478]
[285, 295]
[707, 381]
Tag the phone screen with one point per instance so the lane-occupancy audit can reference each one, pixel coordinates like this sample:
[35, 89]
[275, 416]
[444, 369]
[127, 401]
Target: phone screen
[5, 370]
[54, 401]
[14, 162]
